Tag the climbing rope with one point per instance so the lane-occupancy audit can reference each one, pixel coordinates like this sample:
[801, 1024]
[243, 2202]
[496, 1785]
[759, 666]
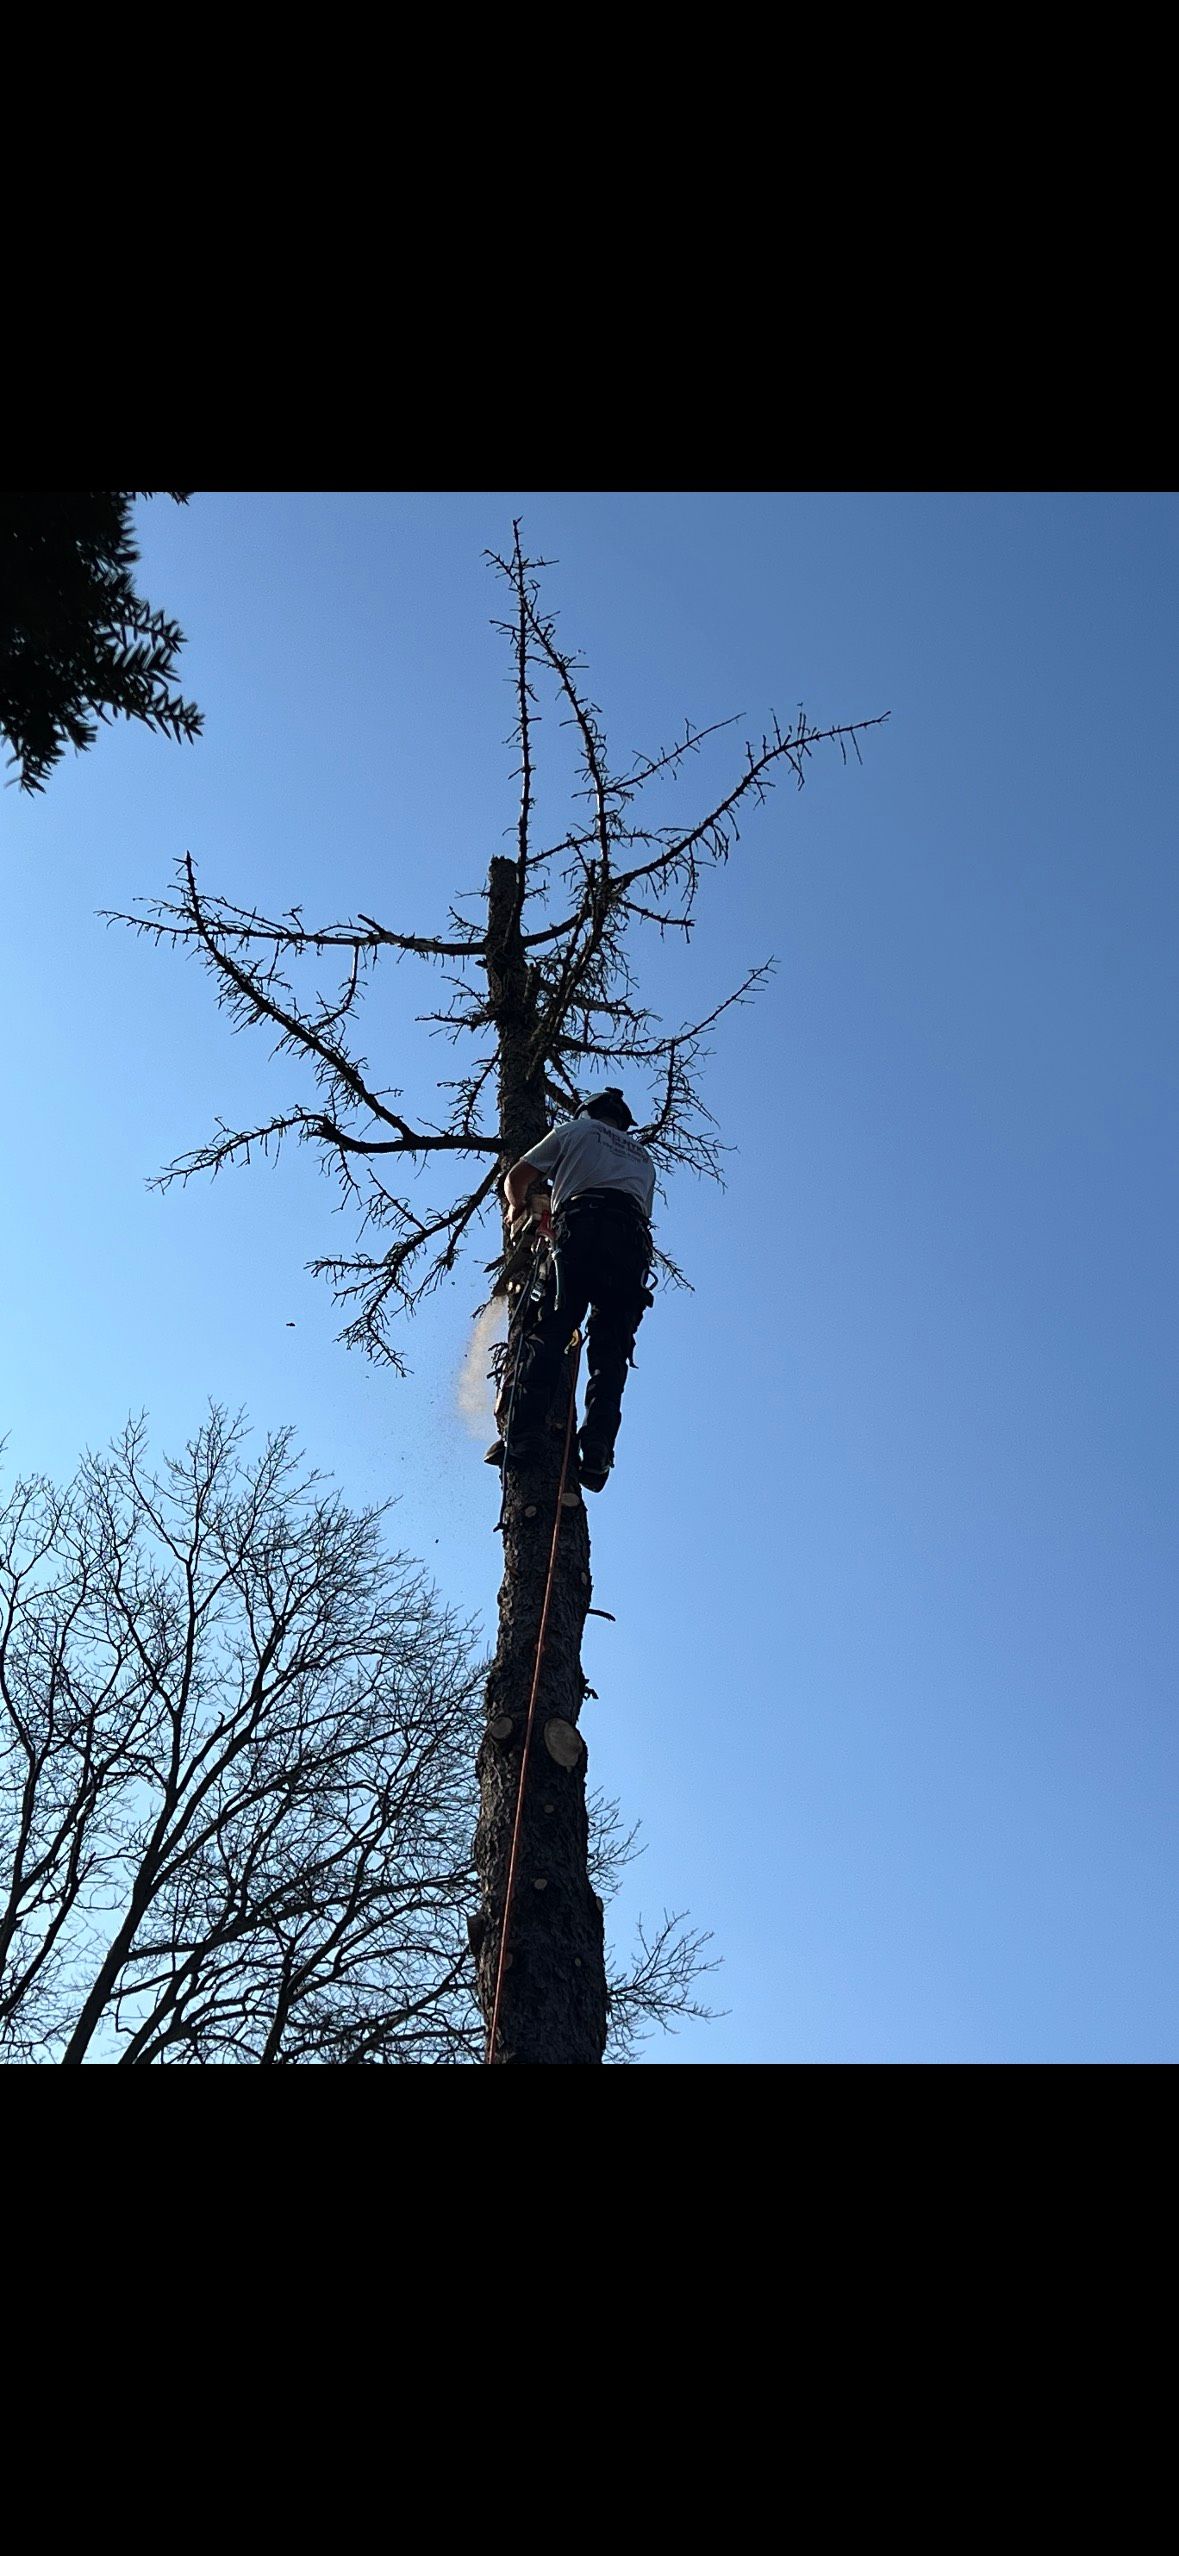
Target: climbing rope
[501, 1965]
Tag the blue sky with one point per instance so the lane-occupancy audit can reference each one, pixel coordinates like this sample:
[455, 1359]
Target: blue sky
[891, 1541]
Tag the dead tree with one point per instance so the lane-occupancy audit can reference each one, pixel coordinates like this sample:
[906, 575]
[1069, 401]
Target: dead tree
[543, 985]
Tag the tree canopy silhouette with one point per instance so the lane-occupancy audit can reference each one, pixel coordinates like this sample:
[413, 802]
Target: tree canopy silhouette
[78, 645]
[237, 1789]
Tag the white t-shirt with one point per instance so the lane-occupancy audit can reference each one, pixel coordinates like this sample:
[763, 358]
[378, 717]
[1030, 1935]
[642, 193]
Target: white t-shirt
[585, 1153]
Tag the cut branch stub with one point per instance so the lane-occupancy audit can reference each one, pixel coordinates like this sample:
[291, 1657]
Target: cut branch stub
[563, 1741]
[501, 1728]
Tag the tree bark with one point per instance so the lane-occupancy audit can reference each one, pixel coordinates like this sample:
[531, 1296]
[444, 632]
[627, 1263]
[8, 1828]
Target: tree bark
[552, 2006]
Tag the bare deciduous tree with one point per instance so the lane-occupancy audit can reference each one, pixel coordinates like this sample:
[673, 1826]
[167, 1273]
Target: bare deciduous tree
[236, 1778]
[543, 986]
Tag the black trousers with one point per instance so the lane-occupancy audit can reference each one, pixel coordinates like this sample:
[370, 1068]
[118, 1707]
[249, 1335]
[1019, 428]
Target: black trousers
[602, 1265]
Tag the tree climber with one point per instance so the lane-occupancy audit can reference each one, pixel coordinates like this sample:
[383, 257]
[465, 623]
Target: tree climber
[602, 1184]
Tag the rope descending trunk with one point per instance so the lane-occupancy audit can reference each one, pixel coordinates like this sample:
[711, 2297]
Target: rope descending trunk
[501, 1964]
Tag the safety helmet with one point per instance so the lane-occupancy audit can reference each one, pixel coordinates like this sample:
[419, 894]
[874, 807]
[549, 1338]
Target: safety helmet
[609, 1105]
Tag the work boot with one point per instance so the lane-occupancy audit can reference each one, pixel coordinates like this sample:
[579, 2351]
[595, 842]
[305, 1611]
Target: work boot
[593, 1469]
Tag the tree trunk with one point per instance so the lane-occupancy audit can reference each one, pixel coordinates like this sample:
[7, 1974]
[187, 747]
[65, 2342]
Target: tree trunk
[552, 2004]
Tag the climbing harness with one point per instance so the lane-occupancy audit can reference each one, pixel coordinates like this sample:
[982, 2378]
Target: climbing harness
[501, 1964]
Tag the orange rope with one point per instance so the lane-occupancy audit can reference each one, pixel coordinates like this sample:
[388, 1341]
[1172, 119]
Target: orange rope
[540, 1640]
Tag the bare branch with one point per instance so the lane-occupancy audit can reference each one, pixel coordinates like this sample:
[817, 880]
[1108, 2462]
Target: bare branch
[659, 1984]
[374, 1281]
[245, 926]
